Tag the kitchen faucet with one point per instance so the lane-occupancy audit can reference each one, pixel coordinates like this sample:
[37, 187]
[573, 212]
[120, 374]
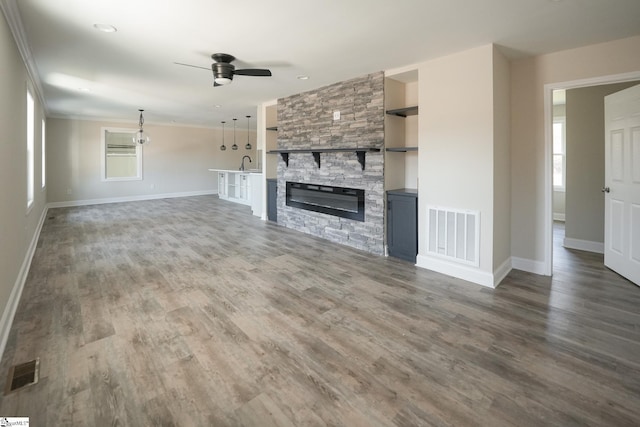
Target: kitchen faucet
[242, 164]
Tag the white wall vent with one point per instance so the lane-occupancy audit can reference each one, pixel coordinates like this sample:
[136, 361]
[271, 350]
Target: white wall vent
[454, 234]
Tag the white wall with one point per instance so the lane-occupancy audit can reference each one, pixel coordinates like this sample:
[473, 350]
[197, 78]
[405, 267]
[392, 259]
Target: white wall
[456, 148]
[175, 162]
[528, 79]
[18, 227]
[559, 199]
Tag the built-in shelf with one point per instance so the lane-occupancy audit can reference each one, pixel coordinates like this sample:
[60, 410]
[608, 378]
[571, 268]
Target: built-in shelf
[401, 149]
[272, 128]
[404, 112]
[360, 152]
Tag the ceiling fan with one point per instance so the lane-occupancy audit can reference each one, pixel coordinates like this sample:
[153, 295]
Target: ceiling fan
[224, 70]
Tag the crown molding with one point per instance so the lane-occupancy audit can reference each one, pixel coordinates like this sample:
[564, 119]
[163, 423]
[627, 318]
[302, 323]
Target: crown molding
[12, 15]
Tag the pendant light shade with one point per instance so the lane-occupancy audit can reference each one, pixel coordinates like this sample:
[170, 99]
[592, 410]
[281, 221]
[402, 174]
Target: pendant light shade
[141, 137]
[234, 146]
[248, 146]
[223, 147]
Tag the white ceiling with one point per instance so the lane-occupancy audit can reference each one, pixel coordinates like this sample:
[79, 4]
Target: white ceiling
[90, 74]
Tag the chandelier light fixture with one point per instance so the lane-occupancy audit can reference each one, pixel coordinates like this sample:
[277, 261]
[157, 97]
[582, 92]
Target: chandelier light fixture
[141, 137]
[234, 146]
[248, 146]
[223, 147]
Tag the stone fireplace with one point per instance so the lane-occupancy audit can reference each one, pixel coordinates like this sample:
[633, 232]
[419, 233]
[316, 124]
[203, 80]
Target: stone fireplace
[305, 122]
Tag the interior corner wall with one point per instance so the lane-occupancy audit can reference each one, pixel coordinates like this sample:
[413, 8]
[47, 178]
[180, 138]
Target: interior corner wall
[528, 79]
[585, 161]
[456, 124]
[19, 227]
[501, 164]
[175, 162]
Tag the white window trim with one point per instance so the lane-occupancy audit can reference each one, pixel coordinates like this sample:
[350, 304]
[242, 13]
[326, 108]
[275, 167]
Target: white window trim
[563, 187]
[43, 158]
[30, 146]
[103, 155]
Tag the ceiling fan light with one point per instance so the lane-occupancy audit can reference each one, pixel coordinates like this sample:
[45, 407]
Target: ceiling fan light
[222, 80]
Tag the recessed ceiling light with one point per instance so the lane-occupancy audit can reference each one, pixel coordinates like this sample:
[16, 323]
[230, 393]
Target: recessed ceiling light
[105, 28]
[302, 77]
[218, 105]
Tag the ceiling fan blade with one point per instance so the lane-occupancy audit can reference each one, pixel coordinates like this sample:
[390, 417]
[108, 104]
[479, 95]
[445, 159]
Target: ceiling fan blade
[258, 72]
[193, 66]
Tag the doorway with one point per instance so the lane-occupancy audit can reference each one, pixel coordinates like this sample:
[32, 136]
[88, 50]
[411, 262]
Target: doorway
[581, 233]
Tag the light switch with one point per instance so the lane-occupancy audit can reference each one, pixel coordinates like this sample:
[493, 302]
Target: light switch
[336, 115]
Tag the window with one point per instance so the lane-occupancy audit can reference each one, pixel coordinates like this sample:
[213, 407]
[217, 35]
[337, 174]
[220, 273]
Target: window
[44, 158]
[121, 156]
[559, 154]
[30, 149]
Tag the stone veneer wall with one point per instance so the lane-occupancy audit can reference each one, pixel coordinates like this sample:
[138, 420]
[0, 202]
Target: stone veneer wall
[306, 121]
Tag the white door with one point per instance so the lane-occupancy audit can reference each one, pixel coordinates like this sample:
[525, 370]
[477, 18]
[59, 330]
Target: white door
[622, 183]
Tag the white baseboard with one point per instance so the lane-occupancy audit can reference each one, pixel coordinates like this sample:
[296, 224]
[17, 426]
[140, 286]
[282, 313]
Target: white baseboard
[87, 202]
[16, 292]
[501, 272]
[583, 245]
[528, 265]
[558, 216]
[463, 272]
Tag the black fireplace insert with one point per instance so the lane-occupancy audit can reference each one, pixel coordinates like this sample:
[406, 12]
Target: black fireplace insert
[337, 201]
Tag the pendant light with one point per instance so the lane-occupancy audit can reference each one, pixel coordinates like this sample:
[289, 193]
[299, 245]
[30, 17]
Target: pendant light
[140, 137]
[223, 147]
[248, 146]
[234, 146]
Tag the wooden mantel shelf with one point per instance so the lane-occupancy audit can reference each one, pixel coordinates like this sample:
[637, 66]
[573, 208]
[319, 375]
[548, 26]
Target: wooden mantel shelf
[360, 152]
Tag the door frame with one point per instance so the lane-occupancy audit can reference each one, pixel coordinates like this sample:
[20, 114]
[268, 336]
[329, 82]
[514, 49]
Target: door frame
[548, 150]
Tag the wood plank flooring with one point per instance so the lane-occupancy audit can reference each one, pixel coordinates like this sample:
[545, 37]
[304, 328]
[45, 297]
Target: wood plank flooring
[192, 312]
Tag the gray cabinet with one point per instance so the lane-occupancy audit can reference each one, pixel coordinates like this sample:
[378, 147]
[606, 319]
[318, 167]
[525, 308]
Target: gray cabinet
[272, 199]
[402, 223]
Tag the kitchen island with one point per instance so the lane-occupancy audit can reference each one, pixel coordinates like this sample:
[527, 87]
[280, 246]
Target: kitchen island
[243, 187]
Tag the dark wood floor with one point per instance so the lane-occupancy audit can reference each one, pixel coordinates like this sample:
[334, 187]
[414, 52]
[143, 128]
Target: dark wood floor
[193, 312]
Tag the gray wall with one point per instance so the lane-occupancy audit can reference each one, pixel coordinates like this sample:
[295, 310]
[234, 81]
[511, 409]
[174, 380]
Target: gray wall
[585, 161]
[306, 120]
